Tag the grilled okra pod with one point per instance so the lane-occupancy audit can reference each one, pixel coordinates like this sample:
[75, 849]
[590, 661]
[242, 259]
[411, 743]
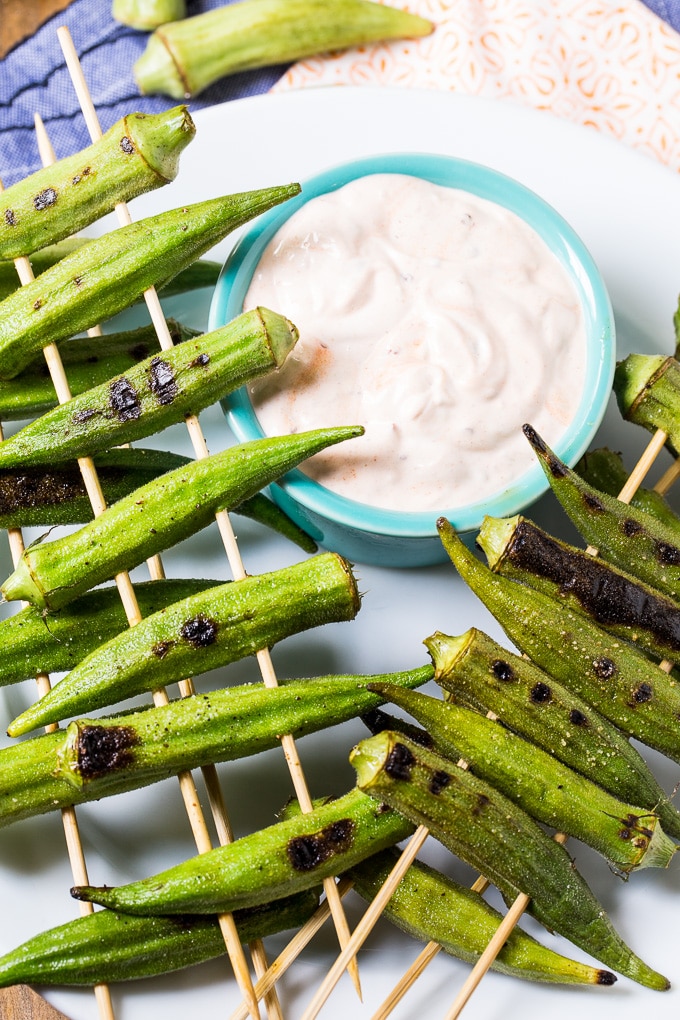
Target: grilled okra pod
[517, 548]
[626, 834]
[185, 57]
[628, 537]
[477, 671]
[156, 516]
[647, 389]
[431, 907]
[157, 392]
[101, 757]
[112, 272]
[604, 470]
[139, 153]
[618, 680]
[284, 858]
[146, 15]
[202, 632]
[493, 835]
[105, 947]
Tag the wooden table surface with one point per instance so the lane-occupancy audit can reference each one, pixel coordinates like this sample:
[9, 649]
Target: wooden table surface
[20, 18]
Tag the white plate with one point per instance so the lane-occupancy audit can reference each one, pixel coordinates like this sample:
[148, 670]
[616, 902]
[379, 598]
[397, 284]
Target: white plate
[625, 208]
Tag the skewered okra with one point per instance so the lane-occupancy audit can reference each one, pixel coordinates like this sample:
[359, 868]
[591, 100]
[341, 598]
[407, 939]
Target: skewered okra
[156, 516]
[158, 391]
[604, 470]
[497, 838]
[202, 632]
[617, 679]
[101, 757]
[476, 670]
[112, 272]
[627, 835]
[139, 153]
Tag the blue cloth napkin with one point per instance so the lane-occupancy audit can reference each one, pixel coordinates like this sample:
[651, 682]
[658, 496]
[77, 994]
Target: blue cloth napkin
[33, 78]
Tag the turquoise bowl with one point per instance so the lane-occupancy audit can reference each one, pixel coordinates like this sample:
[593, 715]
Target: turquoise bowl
[367, 534]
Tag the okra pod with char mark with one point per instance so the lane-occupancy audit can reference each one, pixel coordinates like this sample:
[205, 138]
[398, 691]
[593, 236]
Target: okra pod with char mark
[88, 361]
[477, 671]
[493, 835]
[630, 538]
[183, 58]
[517, 548]
[284, 858]
[112, 272]
[157, 392]
[647, 389]
[106, 947]
[604, 470]
[139, 153]
[618, 680]
[202, 632]
[431, 907]
[626, 834]
[101, 757]
[156, 516]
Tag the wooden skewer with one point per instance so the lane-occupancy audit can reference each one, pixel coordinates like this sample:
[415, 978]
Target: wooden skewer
[668, 478]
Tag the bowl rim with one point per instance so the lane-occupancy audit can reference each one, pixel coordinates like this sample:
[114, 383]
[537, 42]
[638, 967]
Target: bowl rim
[563, 241]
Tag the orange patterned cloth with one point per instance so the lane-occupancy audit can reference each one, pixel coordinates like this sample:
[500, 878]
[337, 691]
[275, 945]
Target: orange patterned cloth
[614, 67]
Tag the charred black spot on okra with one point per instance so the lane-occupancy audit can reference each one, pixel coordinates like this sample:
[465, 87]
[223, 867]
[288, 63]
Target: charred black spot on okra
[540, 693]
[124, 400]
[604, 668]
[44, 199]
[400, 762]
[200, 631]
[578, 718]
[502, 670]
[308, 852]
[377, 720]
[440, 780]
[100, 749]
[162, 381]
[555, 465]
[642, 694]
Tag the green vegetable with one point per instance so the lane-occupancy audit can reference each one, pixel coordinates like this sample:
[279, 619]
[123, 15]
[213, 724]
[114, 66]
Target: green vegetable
[199, 633]
[492, 834]
[182, 59]
[157, 392]
[139, 153]
[647, 390]
[476, 670]
[630, 538]
[284, 858]
[627, 835]
[112, 272]
[146, 15]
[105, 947]
[156, 516]
[615, 678]
[431, 907]
[101, 757]
[516, 548]
[604, 470]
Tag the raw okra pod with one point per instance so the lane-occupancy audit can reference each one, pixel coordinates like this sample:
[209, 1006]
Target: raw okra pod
[517, 548]
[156, 516]
[112, 272]
[493, 835]
[30, 644]
[630, 538]
[431, 907]
[647, 389]
[604, 470]
[284, 858]
[476, 670]
[105, 947]
[101, 757]
[146, 15]
[618, 680]
[157, 392]
[139, 153]
[202, 632]
[185, 57]
[626, 834]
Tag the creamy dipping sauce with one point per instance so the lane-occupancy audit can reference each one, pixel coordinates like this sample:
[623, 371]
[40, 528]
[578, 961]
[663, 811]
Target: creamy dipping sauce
[438, 320]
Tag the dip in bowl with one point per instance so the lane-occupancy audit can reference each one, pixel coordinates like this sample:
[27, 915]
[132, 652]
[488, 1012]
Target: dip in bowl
[442, 319]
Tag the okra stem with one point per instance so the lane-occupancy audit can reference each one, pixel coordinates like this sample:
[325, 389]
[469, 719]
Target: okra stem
[185, 57]
[277, 861]
[626, 834]
[112, 272]
[202, 632]
[156, 516]
[497, 838]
